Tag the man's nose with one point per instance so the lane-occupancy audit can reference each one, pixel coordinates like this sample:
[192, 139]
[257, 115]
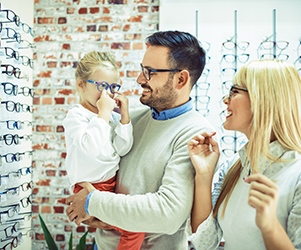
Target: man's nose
[140, 78]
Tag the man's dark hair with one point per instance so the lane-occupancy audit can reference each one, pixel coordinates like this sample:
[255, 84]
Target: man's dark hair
[185, 51]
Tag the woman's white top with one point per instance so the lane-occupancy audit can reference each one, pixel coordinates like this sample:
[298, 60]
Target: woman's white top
[93, 146]
[238, 227]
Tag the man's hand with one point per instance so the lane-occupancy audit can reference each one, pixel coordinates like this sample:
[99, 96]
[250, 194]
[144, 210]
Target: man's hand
[96, 223]
[76, 210]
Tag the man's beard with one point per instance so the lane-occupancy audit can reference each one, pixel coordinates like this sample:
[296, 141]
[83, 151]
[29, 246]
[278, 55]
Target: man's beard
[161, 99]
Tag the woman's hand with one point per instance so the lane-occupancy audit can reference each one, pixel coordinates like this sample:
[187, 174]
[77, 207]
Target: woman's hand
[204, 153]
[263, 196]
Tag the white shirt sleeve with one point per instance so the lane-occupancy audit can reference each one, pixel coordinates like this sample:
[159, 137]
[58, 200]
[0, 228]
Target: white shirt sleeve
[87, 135]
[123, 140]
[209, 233]
[294, 218]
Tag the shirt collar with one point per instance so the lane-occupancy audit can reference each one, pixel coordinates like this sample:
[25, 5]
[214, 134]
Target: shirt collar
[277, 150]
[172, 113]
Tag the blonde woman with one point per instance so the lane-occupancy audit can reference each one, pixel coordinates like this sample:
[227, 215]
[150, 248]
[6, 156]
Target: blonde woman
[257, 198]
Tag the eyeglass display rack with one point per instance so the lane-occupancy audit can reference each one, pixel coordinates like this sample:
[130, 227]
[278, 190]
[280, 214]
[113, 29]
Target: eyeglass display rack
[16, 152]
[200, 90]
[269, 48]
[233, 53]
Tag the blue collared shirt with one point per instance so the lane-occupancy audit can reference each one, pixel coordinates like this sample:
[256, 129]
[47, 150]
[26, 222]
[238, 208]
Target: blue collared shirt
[172, 113]
[163, 115]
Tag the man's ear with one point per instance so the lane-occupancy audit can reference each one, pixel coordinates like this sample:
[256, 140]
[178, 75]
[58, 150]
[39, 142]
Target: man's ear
[80, 84]
[183, 79]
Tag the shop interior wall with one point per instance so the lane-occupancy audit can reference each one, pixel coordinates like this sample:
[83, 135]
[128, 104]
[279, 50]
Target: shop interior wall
[215, 24]
[65, 31]
[24, 9]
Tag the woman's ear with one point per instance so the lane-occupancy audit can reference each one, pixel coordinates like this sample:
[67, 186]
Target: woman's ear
[183, 79]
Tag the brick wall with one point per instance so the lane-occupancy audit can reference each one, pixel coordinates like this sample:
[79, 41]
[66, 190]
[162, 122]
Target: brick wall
[65, 31]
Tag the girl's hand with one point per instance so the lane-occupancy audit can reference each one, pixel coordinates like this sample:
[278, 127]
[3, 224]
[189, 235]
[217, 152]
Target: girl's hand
[204, 153]
[105, 105]
[123, 105]
[263, 196]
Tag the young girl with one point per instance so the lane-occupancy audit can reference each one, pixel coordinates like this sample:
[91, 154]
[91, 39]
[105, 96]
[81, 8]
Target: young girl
[96, 136]
[257, 199]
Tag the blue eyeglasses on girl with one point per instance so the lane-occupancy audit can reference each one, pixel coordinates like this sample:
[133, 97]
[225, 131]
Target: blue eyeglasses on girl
[104, 85]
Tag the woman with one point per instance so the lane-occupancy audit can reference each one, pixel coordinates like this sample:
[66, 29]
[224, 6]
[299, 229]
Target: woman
[257, 199]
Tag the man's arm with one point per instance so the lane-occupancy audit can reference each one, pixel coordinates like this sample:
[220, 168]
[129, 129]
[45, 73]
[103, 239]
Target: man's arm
[161, 212]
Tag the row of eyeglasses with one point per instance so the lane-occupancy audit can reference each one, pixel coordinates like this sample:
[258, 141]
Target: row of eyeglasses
[234, 54]
[201, 88]
[15, 156]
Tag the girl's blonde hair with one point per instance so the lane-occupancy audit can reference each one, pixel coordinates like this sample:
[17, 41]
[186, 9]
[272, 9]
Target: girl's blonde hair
[274, 88]
[92, 61]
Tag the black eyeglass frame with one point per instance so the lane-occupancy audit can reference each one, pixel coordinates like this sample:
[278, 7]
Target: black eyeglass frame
[155, 70]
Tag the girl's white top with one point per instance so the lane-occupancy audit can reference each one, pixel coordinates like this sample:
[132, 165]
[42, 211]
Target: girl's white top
[93, 146]
[238, 227]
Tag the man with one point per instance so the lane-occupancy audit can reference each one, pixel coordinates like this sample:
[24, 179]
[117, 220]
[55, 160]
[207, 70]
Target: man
[155, 183]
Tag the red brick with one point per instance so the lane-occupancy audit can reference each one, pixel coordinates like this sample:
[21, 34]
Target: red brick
[62, 20]
[60, 237]
[94, 10]
[126, 27]
[44, 128]
[66, 46]
[35, 190]
[103, 28]
[36, 83]
[65, 64]
[46, 210]
[125, 46]
[142, 9]
[58, 210]
[155, 8]
[45, 74]
[117, 1]
[66, 91]
[68, 228]
[44, 182]
[47, 101]
[36, 101]
[59, 100]
[105, 10]
[63, 155]
[71, 100]
[132, 36]
[63, 173]
[39, 236]
[83, 11]
[46, 20]
[80, 229]
[50, 172]
[132, 73]
[59, 129]
[135, 19]
[51, 64]
[34, 208]
[70, 10]
[91, 27]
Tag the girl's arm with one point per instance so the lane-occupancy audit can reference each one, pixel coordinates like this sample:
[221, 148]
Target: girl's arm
[123, 140]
